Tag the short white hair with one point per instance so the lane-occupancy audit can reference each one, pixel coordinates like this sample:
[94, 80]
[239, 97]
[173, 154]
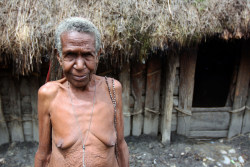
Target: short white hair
[78, 24]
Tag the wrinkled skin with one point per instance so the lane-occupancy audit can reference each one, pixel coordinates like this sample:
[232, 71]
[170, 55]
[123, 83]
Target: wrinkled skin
[60, 131]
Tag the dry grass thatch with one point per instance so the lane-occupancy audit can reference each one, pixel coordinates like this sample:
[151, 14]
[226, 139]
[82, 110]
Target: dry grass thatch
[129, 28]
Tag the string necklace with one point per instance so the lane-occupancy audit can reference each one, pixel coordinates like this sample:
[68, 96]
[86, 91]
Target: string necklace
[83, 141]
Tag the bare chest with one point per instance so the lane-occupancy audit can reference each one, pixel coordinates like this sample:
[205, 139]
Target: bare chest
[72, 121]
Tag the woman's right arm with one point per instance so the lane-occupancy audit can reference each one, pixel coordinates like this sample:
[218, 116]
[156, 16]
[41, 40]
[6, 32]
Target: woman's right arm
[44, 149]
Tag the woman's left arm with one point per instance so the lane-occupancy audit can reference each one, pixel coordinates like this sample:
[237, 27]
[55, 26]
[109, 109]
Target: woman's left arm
[123, 153]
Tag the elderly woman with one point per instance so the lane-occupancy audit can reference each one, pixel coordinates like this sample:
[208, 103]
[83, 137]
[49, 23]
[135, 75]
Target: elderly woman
[80, 116]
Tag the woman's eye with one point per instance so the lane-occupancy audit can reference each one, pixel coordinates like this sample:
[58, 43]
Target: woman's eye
[89, 56]
[69, 57]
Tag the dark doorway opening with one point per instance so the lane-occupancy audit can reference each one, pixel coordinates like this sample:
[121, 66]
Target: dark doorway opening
[215, 64]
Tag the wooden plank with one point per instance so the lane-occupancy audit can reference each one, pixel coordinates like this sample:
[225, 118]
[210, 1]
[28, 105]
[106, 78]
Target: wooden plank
[152, 100]
[169, 92]
[212, 109]
[34, 86]
[241, 91]
[162, 93]
[174, 122]
[175, 101]
[5, 95]
[15, 125]
[208, 134]
[131, 102]
[231, 92]
[186, 88]
[27, 127]
[246, 119]
[125, 81]
[26, 109]
[3, 126]
[138, 79]
[212, 121]
[177, 83]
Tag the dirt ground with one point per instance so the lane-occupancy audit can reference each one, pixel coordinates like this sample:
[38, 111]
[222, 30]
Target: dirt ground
[149, 151]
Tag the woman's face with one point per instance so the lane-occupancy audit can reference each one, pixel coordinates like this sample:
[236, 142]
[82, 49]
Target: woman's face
[79, 59]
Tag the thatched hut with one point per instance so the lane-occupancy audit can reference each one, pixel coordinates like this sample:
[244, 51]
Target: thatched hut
[184, 65]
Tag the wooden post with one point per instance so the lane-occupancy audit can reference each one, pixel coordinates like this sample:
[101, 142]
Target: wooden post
[152, 100]
[3, 126]
[125, 81]
[246, 119]
[241, 91]
[137, 87]
[33, 94]
[16, 128]
[171, 65]
[186, 88]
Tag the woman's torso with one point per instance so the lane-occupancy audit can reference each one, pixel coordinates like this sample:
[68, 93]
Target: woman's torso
[70, 125]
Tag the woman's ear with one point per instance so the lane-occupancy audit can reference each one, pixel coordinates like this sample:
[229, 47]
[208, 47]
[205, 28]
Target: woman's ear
[58, 57]
[98, 55]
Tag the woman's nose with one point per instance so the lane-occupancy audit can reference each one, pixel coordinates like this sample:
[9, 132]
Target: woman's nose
[79, 63]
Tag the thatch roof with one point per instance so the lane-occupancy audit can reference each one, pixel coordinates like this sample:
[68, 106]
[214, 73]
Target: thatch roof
[129, 28]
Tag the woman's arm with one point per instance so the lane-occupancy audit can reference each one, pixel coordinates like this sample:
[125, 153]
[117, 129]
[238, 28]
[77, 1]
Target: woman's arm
[44, 149]
[123, 153]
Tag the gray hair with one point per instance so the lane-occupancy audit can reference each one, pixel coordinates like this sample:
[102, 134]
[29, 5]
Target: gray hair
[80, 25]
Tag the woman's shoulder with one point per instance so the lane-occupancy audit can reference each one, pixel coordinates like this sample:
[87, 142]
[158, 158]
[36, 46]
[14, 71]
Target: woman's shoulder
[109, 80]
[51, 88]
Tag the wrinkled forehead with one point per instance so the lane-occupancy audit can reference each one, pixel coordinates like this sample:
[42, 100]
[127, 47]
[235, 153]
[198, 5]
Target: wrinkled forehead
[78, 38]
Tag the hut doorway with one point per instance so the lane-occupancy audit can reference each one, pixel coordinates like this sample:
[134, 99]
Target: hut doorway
[207, 94]
[216, 62]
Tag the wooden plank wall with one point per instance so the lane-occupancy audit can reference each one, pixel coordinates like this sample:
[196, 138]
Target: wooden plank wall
[15, 116]
[18, 108]
[149, 95]
[187, 72]
[241, 91]
[138, 82]
[152, 99]
[209, 122]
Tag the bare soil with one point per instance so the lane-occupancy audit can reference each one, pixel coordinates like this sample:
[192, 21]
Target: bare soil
[149, 151]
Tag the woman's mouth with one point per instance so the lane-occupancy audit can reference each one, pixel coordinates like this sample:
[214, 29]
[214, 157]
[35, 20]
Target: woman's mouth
[79, 77]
